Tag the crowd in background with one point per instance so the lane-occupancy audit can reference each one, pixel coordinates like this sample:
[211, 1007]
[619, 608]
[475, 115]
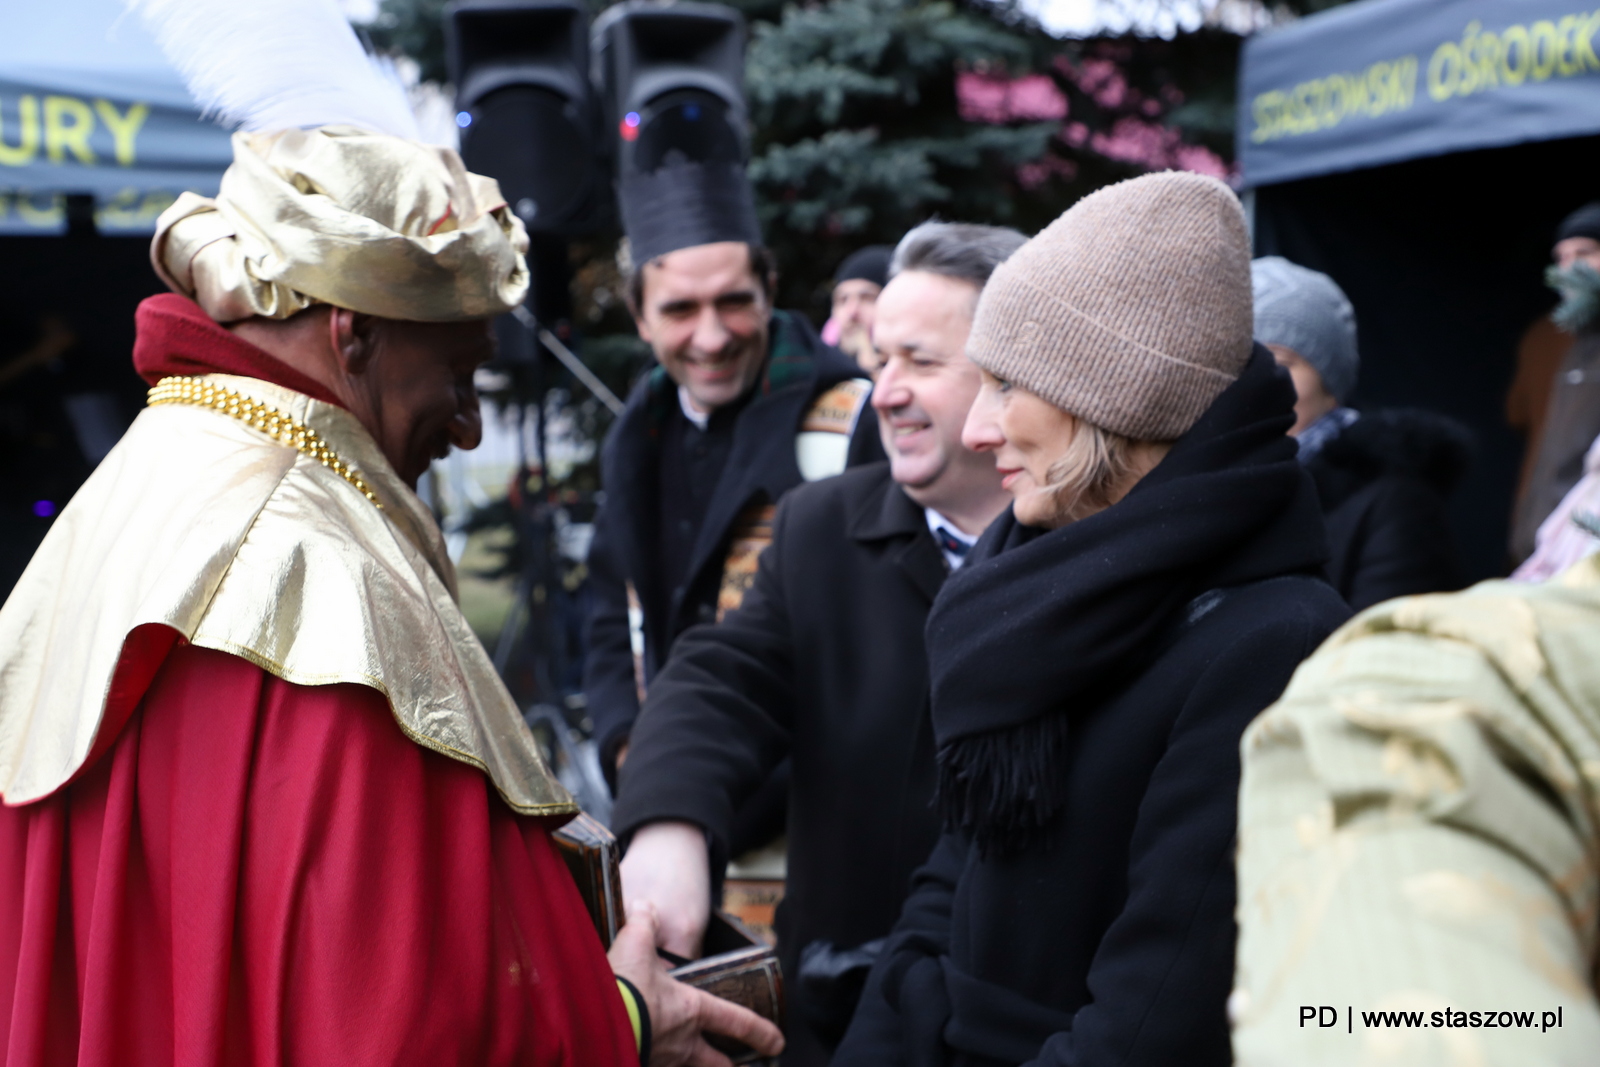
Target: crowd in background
[991, 679]
[1056, 656]
[1053, 653]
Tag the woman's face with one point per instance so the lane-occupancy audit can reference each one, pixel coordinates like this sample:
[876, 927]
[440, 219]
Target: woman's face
[1027, 435]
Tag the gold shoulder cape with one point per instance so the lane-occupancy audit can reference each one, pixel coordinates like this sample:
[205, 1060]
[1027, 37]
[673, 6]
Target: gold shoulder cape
[201, 523]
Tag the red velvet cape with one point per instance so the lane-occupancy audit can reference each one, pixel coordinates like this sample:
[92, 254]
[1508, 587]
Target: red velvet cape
[254, 872]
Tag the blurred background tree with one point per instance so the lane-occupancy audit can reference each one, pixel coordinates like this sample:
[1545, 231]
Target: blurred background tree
[859, 133]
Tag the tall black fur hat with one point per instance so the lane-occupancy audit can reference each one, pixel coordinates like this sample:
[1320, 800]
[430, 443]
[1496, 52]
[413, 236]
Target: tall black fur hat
[686, 203]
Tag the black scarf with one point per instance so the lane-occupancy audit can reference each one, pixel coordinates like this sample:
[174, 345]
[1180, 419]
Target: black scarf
[1038, 624]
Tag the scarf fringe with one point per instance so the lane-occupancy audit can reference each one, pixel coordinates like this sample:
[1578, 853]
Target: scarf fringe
[1003, 788]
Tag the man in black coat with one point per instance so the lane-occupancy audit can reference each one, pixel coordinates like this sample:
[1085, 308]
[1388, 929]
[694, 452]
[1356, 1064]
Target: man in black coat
[824, 663]
[745, 403]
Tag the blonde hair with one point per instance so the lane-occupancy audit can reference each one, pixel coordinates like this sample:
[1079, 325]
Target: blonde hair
[1096, 463]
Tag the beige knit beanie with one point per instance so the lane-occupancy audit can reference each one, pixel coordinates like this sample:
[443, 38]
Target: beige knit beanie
[1131, 311]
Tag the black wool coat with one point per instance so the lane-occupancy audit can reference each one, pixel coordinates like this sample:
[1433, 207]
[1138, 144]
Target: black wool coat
[761, 468]
[823, 664]
[1099, 677]
[1384, 483]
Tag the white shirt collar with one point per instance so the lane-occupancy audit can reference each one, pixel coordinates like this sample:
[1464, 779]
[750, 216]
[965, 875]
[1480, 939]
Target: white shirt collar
[937, 522]
[701, 419]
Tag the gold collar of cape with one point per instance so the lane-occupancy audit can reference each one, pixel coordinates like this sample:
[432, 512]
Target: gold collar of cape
[241, 543]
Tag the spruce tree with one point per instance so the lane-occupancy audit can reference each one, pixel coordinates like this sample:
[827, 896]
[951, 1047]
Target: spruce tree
[858, 134]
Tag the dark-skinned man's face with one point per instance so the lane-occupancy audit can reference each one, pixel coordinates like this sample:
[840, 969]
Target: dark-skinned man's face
[419, 381]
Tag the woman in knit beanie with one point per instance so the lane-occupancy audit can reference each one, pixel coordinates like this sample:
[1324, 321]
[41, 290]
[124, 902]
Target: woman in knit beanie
[1095, 661]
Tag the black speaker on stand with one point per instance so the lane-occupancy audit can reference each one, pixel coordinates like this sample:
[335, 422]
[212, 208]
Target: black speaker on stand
[530, 118]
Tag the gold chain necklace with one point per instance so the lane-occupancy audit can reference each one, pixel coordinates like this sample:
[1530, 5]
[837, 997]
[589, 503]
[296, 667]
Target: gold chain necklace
[264, 417]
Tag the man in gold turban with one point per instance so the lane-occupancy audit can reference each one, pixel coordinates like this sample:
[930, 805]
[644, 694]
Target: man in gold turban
[266, 799]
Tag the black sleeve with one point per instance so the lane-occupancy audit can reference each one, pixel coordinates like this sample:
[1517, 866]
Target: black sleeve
[1406, 547]
[904, 1008]
[609, 685]
[718, 715]
[1159, 981]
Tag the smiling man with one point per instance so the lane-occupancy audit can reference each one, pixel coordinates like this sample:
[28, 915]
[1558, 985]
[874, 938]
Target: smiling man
[744, 404]
[824, 663]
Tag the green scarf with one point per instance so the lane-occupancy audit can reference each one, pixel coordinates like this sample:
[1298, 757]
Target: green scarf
[1579, 286]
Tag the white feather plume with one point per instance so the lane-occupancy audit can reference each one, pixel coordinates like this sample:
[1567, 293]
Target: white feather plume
[277, 64]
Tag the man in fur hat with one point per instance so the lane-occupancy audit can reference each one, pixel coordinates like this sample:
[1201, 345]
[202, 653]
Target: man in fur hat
[745, 403]
[268, 801]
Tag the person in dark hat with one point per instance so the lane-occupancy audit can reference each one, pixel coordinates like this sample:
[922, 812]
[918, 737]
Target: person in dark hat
[1572, 414]
[745, 403]
[856, 285]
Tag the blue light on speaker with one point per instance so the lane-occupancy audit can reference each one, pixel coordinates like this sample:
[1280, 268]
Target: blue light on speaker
[692, 112]
[463, 119]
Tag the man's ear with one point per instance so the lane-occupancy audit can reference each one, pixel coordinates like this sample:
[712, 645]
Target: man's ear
[351, 334]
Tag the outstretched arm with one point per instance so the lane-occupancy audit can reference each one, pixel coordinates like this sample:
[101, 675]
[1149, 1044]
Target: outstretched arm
[719, 713]
[716, 722]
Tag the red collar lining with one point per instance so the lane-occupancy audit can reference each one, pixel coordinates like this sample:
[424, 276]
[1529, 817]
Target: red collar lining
[176, 338]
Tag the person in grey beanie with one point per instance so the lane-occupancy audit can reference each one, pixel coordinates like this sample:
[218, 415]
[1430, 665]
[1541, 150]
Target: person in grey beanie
[1093, 664]
[1383, 477]
[1308, 323]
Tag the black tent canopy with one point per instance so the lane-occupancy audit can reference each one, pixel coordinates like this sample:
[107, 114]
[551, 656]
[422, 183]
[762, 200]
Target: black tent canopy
[1422, 152]
[97, 136]
[90, 107]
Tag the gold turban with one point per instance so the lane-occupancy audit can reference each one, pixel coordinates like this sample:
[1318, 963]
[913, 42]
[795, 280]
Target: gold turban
[336, 215]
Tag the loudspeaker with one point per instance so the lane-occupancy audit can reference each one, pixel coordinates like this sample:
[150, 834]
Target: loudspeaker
[673, 83]
[528, 112]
